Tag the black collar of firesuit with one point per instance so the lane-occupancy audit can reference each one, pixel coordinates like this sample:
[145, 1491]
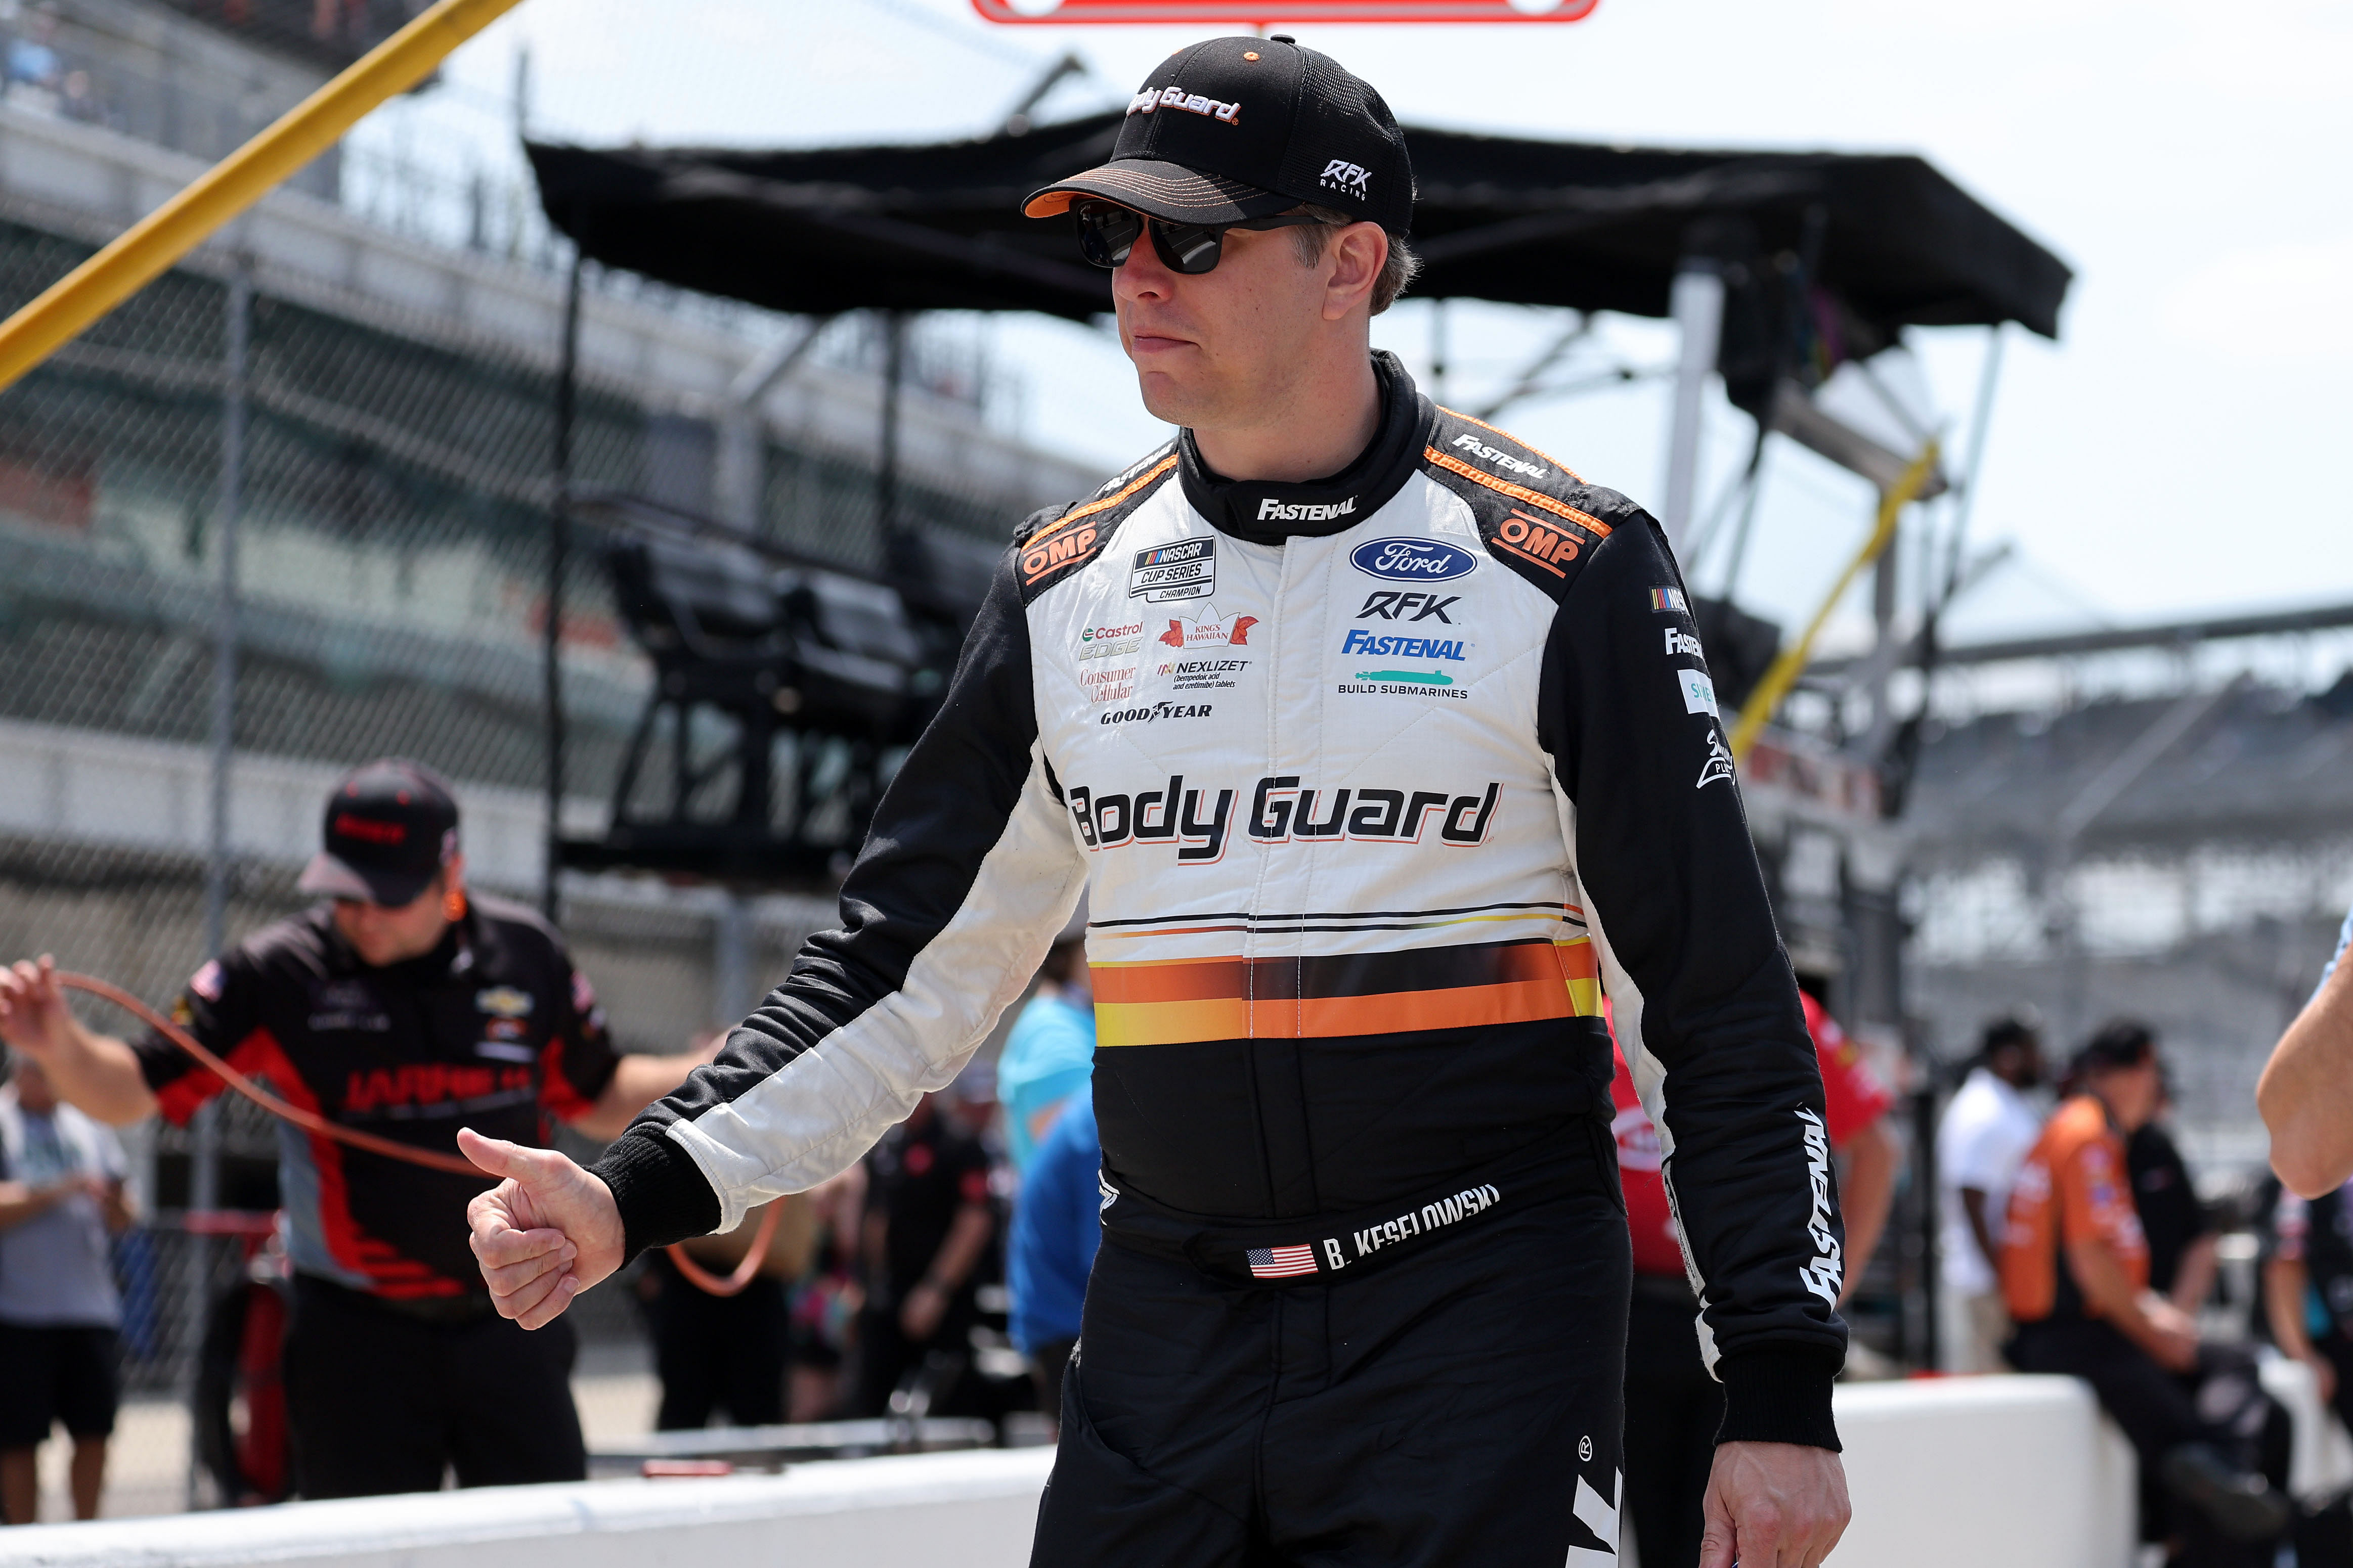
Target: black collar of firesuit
[1264, 511]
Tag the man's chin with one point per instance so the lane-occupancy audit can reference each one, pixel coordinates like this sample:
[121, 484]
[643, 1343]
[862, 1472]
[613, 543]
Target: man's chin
[1169, 400]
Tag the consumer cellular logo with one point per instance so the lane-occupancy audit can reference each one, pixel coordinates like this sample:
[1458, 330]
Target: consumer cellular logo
[1411, 560]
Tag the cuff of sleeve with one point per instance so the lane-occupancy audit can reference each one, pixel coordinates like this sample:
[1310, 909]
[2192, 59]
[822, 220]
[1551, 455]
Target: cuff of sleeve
[661, 1193]
[1779, 1393]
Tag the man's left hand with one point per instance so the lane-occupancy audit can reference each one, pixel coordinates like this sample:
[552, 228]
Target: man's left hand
[1773, 1505]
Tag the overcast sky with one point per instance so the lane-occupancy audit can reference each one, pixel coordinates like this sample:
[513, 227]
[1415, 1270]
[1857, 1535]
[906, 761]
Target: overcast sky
[2178, 449]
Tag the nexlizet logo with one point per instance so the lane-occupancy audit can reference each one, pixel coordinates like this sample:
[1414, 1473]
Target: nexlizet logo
[1148, 102]
[1279, 812]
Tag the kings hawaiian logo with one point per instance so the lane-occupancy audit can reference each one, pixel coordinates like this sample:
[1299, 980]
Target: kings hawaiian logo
[1206, 631]
[1411, 560]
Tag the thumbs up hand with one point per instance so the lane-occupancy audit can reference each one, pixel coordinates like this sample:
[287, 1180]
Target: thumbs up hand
[545, 1233]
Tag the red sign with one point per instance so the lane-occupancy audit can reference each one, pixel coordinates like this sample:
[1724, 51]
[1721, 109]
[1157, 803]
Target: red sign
[1260, 13]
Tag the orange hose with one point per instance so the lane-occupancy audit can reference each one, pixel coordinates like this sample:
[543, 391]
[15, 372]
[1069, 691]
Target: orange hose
[311, 1122]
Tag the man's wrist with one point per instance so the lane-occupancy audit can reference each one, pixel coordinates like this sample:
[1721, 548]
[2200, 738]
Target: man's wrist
[660, 1192]
[1779, 1393]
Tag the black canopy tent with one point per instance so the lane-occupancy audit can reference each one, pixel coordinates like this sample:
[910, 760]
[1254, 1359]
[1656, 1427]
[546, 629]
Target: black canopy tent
[1503, 218]
[1827, 257]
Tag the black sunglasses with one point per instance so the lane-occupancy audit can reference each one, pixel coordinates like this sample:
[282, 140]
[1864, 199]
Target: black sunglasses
[1107, 233]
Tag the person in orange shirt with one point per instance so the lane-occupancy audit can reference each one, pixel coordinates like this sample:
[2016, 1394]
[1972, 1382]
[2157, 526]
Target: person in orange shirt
[2074, 1273]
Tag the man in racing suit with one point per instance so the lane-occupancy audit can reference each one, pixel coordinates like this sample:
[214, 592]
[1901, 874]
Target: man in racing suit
[1377, 781]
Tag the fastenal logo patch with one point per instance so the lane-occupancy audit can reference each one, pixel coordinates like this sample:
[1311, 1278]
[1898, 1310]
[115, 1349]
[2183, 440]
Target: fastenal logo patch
[1149, 102]
[1453, 650]
[1498, 457]
[1411, 560]
[1273, 510]
[1185, 570]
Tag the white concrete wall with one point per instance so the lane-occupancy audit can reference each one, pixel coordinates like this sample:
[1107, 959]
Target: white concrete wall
[2020, 1471]
[1963, 1472]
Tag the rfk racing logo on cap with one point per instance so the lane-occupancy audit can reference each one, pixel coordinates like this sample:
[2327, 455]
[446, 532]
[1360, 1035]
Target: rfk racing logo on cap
[1348, 179]
[1148, 101]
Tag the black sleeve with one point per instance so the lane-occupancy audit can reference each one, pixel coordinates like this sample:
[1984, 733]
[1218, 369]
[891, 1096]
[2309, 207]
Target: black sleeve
[220, 1006]
[968, 871]
[1702, 994]
[585, 1061]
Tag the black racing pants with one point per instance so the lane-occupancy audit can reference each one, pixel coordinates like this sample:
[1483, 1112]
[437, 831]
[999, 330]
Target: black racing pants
[2222, 1404]
[1457, 1407]
[1673, 1410]
[717, 1355]
[381, 1400]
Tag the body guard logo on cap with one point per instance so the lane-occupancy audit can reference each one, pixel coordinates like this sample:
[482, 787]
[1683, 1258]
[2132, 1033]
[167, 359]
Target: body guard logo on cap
[1189, 153]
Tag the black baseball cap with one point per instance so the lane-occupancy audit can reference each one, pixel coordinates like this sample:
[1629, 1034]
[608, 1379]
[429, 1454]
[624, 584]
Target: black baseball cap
[390, 828]
[1235, 128]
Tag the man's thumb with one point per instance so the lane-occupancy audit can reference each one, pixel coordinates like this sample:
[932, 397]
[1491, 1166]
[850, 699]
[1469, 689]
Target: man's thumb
[499, 1157]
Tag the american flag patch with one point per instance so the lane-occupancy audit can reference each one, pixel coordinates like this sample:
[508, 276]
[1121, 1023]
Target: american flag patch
[1282, 1262]
[1670, 599]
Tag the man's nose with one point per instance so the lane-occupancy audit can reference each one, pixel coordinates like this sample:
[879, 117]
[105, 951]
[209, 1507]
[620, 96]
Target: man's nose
[1143, 276]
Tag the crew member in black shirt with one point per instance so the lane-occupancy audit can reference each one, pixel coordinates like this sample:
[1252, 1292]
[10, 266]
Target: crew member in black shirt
[405, 1006]
[928, 1223]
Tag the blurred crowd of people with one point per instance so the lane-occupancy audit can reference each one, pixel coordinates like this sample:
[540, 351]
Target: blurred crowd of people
[946, 1272]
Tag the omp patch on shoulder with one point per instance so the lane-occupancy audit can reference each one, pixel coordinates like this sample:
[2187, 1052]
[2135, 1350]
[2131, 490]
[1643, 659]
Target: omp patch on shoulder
[1054, 549]
[1533, 512]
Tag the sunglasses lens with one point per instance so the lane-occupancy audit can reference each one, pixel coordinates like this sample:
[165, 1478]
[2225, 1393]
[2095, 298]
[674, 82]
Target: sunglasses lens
[1106, 232]
[1186, 247]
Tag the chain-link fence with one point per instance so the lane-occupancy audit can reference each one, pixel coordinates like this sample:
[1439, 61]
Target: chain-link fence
[350, 508]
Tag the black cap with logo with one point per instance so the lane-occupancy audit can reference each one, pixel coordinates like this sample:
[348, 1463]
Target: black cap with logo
[391, 826]
[1235, 128]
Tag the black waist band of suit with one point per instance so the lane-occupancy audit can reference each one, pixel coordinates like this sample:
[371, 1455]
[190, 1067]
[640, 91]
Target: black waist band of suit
[1327, 1248]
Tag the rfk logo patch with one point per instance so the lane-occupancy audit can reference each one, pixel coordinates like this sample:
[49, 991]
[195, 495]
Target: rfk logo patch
[1348, 179]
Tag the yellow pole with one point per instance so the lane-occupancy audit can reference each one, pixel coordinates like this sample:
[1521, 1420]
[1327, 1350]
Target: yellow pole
[1792, 661]
[149, 247]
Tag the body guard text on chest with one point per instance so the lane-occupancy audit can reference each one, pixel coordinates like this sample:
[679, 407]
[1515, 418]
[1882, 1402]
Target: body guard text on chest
[1279, 812]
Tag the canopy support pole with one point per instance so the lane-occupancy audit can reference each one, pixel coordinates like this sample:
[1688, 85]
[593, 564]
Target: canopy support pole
[1697, 304]
[559, 551]
[886, 479]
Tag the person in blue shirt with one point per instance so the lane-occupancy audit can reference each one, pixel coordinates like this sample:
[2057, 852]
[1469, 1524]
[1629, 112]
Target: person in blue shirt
[1050, 1054]
[1057, 1224]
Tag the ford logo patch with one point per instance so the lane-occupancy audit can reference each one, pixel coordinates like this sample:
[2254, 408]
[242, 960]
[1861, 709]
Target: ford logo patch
[1411, 560]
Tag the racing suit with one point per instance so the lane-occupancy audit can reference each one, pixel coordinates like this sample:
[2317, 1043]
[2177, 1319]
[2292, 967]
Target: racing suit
[1377, 782]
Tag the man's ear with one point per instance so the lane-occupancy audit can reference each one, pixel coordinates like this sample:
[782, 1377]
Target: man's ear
[1356, 255]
